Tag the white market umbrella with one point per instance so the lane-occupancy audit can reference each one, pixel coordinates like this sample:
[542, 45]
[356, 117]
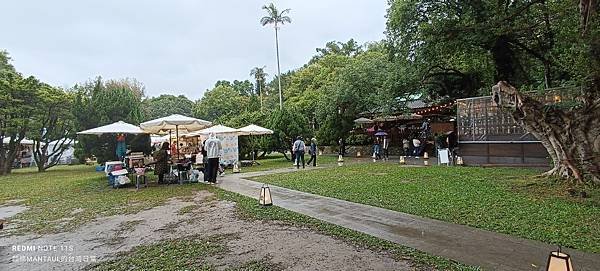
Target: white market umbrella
[174, 122]
[119, 127]
[363, 121]
[254, 130]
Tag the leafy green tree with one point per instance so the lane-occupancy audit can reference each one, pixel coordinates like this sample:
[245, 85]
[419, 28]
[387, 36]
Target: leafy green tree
[97, 103]
[220, 104]
[18, 97]
[260, 76]
[244, 88]
[166, 105]
[364, 85]
[52, 129]
[287, 124]
[528, 44]
[309, 85]
[349, 48]
[276, 18]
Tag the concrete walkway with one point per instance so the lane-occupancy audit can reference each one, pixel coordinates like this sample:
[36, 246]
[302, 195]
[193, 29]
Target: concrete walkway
[492, 251]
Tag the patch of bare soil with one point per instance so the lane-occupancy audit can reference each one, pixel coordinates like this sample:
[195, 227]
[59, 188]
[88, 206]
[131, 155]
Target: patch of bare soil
[288, 247]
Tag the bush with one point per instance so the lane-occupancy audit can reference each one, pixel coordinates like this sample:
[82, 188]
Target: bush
[359, 140]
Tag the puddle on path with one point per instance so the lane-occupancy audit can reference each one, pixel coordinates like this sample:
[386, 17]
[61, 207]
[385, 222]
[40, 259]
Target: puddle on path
[11, 210]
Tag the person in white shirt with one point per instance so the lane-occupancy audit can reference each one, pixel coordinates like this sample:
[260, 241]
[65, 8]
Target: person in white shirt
[213, 149]
[416, 147]
[298, 149]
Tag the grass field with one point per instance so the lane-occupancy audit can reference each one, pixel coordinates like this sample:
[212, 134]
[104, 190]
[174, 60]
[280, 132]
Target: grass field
[504, 200]
[67, 197]
[277, 160]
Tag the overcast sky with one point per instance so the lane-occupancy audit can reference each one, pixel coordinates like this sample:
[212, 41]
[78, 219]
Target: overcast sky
[174, 46]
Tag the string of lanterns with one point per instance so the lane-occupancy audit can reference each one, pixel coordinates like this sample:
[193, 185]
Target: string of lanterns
[438, 107]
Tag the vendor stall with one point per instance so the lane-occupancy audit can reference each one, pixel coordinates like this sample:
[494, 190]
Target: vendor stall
[229, 141]
[115, 170]
[176, 123]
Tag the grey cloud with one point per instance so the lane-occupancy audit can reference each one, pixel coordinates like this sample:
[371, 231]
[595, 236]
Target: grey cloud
[179, 46]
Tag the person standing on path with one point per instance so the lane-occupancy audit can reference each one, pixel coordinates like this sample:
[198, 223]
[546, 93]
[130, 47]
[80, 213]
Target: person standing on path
[213, 152]
[312, 150]
[161, 158]
[298, 149]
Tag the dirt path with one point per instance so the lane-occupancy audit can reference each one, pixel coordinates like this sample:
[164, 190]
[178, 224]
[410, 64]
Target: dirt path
[289, 247]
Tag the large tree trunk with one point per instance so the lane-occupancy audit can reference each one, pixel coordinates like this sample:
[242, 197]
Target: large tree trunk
[572, 138]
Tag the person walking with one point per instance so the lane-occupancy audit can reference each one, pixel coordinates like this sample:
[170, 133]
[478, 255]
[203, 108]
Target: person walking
[161, 159]
[385, 146]
[406, 146]
[213, 152]
[342, 144]
[204, 161]
[294, 154]
[312, 150]
[377, 149]
[298, 149]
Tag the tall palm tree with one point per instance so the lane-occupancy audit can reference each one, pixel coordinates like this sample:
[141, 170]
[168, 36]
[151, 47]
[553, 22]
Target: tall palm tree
[260, 75]
[276, 18]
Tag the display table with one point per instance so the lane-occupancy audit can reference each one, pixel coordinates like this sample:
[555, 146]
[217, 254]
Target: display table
[109, 166]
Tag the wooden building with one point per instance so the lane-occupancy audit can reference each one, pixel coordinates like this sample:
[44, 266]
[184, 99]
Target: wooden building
[488, 135]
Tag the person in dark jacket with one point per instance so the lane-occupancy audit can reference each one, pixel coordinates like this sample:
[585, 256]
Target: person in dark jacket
[161, 158]
[342, 145]
[312, 150]
[298, 149]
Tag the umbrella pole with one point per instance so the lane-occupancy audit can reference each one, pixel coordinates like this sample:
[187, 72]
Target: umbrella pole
[177, 135]
[170, 140]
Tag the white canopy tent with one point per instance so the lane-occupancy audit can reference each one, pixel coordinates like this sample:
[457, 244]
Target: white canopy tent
[25, 141]
[254, 130]
[174, 122]
[217, 129]
[119, 127]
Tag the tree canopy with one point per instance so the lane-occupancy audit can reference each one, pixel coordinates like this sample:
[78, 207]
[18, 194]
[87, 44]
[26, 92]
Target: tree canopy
[166, 105]
[526, 45]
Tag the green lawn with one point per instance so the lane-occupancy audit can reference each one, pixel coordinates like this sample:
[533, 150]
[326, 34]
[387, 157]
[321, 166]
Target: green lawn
[504, 200]
[277, 160]
[66, 197]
